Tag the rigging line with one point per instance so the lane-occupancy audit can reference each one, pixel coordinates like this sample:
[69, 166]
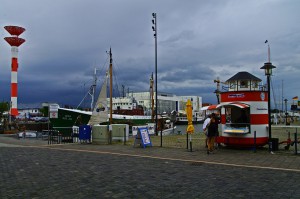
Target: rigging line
[89, 88]
[115, 74]
[273, 93]
[85, 93]
[105, 63]
[82, 100]
[105, 69]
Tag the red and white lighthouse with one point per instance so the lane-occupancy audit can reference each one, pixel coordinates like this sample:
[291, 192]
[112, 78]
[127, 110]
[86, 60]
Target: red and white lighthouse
[14, 41]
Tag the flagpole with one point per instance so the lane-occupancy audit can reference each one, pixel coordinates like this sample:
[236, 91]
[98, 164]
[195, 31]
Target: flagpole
[269, 53]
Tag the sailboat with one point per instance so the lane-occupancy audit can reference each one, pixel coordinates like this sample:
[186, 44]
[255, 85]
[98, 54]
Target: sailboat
[100, 112]
[67, 118]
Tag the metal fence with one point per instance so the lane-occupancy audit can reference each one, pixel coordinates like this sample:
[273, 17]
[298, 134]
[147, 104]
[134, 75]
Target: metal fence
[55, 136]
[285, 140]
[288, 139]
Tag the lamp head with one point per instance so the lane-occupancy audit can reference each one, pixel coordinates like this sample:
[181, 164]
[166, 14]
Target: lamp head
[268, 68]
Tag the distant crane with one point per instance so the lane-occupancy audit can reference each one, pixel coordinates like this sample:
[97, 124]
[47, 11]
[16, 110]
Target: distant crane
[217, 91]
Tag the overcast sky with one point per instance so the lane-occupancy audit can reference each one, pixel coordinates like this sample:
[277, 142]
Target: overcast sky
[198, 41]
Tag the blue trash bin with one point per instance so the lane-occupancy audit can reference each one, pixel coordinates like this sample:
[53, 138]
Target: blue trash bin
[85, 133]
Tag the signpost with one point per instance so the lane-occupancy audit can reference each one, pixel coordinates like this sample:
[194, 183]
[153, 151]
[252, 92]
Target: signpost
[143, 137]
[53, 111]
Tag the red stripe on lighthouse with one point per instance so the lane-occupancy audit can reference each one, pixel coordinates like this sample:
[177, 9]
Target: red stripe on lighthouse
[259, 119]
[14, 82]
[244, 96]
[14, 111]
[14, 64]
[14, 90]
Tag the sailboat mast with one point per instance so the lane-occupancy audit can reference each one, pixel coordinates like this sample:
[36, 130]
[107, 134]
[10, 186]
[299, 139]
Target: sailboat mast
[110, 86]
[93, 90]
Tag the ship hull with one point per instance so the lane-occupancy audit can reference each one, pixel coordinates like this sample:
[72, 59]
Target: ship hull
[186, 122]
[67, 118]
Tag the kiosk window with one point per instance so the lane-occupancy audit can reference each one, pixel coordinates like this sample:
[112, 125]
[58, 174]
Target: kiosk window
[244, 84]
[237, 115]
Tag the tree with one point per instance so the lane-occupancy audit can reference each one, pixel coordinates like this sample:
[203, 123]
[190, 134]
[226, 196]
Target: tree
[4, 106]
[44, 111]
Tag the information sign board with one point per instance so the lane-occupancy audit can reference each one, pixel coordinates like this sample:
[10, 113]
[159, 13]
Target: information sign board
[53, 114]
[53, 110]
[143, 137]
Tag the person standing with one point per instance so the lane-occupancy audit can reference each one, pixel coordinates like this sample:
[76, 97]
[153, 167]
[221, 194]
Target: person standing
[24, 131]
[205, 125]
[212, 131]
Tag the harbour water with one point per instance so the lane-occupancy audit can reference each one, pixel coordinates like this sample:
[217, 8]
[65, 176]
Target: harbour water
[182, 128]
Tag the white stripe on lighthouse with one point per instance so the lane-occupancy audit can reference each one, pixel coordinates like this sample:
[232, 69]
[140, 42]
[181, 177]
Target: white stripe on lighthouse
[14, 77]
[14, 101]
[14, 52]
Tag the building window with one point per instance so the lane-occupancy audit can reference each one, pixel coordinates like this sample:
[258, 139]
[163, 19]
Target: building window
[244, 84]
[232, 85]
[255, 85]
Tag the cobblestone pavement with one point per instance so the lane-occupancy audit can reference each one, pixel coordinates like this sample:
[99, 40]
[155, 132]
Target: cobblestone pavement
[32, 169]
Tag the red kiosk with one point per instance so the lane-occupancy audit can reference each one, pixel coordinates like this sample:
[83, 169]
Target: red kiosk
[244, 112]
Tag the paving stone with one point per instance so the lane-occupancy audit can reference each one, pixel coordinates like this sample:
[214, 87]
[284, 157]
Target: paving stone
[32, 169]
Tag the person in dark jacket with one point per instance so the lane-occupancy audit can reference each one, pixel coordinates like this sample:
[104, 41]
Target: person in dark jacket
[212, 132]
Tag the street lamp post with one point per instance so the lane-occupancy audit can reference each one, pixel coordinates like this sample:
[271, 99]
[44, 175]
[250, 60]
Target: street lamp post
[268, 72]
[154, 28]
[286, 114]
